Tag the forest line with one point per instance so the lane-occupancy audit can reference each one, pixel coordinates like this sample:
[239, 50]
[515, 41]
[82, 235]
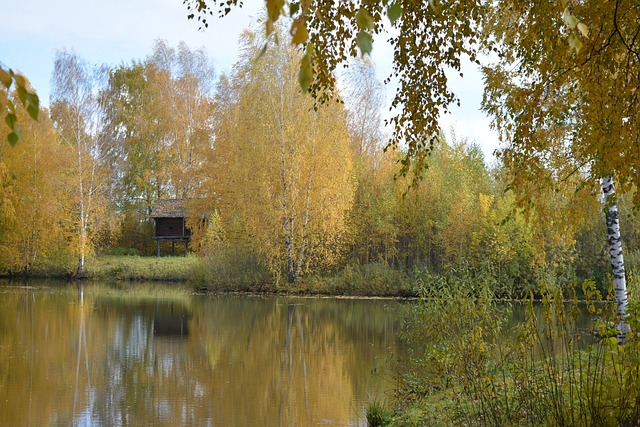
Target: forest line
[290, 188]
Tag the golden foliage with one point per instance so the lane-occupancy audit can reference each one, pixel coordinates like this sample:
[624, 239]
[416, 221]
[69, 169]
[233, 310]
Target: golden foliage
[287, 172]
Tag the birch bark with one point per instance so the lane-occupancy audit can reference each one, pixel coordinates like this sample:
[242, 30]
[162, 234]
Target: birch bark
[617, 260]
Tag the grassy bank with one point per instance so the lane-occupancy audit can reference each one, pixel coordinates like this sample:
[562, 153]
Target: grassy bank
[137, 268]
[239, 270]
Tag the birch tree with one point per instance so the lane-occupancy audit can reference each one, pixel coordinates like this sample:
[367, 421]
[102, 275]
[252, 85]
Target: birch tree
[364, 99]
[289, 165]
[78, 116]
[564, 97]
[184, 94]
[160, 114]
[136, 127]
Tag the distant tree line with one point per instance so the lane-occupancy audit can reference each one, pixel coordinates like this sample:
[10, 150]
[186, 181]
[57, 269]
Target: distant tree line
[304, 188]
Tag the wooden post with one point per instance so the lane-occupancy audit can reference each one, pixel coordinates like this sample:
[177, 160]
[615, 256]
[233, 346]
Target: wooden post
[173, 247]
[186, 248]
[158, 240]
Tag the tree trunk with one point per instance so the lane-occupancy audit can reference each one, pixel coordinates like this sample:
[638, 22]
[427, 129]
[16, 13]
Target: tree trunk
[617, 261]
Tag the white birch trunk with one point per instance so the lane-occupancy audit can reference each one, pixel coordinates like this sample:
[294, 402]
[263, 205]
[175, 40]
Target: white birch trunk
[617, 261]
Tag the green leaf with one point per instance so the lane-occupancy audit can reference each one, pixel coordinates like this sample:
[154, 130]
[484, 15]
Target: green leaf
[33, 107]
[304, 79]
[364, 20]
[13, 138]
[10, 119]
[22, 94]
[33, 111]
[305, 75]
[5, 78]
[294, 8]
[394, 12]
[365, 42]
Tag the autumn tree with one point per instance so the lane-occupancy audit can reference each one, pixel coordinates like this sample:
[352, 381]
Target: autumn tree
[35, 205]
[364, 99]
[564, 96]
[288, 164]
[135, 125]
[185, 90]
[428, 40]
[159, 113]
[373, 232]
[78, 116]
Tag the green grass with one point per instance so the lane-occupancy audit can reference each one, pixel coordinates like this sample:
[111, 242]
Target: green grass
[141, 268]
[378, 415]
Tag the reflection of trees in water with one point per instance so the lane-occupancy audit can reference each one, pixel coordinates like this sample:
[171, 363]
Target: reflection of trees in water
[82, 346]
[293, 345]
[150, 378]
[286, 372]
[243, 361]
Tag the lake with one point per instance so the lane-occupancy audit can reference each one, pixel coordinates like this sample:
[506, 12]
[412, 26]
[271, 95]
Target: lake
[107, 359]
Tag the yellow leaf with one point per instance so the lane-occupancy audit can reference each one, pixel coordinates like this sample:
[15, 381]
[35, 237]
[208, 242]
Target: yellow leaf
[569, 18]
[299, 31]
[5, 77]
[274, 8]
[583, 29]
[575, 43]
[3, 100]
[20, 80]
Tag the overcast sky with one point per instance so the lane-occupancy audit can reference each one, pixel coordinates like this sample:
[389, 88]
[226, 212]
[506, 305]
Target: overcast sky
[118, 31]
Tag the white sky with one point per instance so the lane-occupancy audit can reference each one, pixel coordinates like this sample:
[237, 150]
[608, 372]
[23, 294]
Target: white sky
[118, 31]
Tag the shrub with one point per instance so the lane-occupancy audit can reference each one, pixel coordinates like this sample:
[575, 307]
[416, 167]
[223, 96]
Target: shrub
[467, 369]
[378, 415]
[376, 279]
[232, 268]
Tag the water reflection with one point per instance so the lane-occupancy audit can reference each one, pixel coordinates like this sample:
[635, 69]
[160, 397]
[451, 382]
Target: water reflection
[70, 357]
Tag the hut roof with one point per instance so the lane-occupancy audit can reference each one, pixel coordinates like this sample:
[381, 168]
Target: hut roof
[169, 208]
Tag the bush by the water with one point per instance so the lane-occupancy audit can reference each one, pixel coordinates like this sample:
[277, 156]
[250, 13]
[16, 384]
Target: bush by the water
[378, 415]
[470, 368]
[233, 268]
[376, 279]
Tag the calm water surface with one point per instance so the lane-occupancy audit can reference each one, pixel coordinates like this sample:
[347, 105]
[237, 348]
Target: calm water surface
[192, 360]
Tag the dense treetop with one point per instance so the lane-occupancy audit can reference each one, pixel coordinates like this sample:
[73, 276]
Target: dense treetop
[564, 87]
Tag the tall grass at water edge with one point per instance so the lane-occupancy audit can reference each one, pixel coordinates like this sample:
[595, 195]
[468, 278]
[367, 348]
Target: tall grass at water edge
[468, 368]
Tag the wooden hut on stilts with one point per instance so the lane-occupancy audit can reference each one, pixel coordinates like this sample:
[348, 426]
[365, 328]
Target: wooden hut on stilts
[170, 216]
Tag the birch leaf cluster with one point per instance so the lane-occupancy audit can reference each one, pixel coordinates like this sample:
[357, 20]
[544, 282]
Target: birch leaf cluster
[564, 92]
